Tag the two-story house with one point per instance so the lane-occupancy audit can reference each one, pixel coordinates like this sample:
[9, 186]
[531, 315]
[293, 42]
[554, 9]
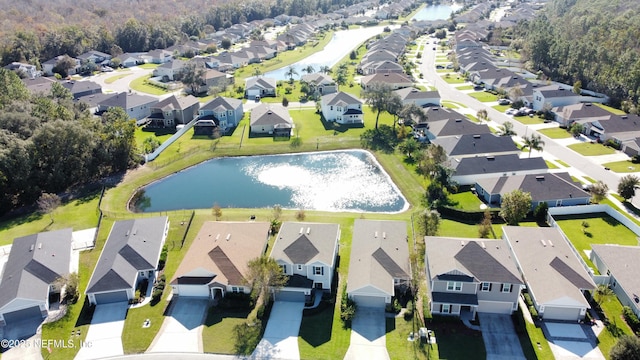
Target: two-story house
[307, 253]
[136, 106]
[471, 275]
[342, 108]
[174, 110]
[226, 112]
[320, 84]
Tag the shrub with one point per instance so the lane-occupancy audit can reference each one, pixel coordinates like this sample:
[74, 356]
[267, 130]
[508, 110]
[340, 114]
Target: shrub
[163, 257]
[347, 307]
[631, 318]
[285, 101]
[300, 215]
[408, 315]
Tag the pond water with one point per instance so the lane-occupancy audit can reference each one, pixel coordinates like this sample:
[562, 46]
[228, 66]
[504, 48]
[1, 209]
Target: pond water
[436, 12]
[327, 181]
[341, 44]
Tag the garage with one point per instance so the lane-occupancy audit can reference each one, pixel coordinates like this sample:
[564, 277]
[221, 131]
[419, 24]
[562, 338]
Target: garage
[494, 307]
[111, 297]
[288, 295]
[24, 314]
[369, 301]
[561, 313]
[201, 291]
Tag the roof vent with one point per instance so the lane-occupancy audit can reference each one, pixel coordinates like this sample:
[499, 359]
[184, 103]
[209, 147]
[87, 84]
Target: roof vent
[39, 245]
[31, 247]
[218, 237]
[127, 234]
[458, 120]
[483, 245]
[624, 117]
[301, 230]
[461, 243]
[308, 230]
[540, 177]
[384, 235]
[491, 158]
[477, 136]
[587, 104]
[550, 243]
[543, 243]
[375, 234]
[228, 236]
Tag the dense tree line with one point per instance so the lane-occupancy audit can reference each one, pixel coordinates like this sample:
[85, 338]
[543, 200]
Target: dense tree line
[595, 42]
[49, 143]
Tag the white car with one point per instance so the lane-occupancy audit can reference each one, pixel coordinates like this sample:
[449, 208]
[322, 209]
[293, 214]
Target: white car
[510, 111]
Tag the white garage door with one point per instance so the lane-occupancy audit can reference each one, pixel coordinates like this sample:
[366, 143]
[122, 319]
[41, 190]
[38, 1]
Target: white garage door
[111, 297]
[494, 307]
[557, 313]
[201, 291]
[369, 301]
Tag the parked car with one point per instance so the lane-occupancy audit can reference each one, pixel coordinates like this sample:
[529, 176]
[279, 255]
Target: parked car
[439, 67]
[510, 111]
[504, 101]
[478, 87]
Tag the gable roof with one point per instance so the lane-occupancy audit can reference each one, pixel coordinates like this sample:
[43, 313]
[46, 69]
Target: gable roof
[581, 111]
[551, 269]
[81, 86]
[39, 84]
[176, 103]
[453, 127]
[128, 101]
[622, 263]
[35, 262]
[387, 78]
[221, 104]
[261, 82]
[223, 248]
[132, 245]
[270, 114]
[482, 260]
[318, 79]
[411, 93]
[305, 243]
[497, 164]
[542, 187]
[379, 254]
[476, 144]
[340, 98]
[555, 91]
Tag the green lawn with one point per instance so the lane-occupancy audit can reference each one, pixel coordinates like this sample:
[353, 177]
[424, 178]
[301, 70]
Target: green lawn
[454, 79]
[528, 120]
[449, 104]
[617, 326]
[217, 333]
[591, 180]
[114, 78]
[502, 108]
[610, 109]
[143, 133]
[624, 166]
[322, 335]
[551, 165]
[465, 87]
[398, 330]
[603, 229]
[142, 85]
[484, 96]
[591, 149]
[555, 133]
[564, 164]
[455, 340]
[466, 200]
[148, 66]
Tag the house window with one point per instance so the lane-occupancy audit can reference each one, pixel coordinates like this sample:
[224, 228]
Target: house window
[486, 286]
[237, 289]
[284, 268]
[331, 107]
[141, 273]
[299, 266]
[506, 288]
[318, 270]
[446, 309]
[454, 286]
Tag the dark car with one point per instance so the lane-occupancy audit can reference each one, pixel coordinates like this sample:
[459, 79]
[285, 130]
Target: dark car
[478, 87]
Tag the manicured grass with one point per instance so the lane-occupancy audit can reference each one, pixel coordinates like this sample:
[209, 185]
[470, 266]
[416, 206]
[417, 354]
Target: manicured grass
[566, 165]
[603, 229]
[456, 341]
[466, 201]
[617, 326]
[444, 71]
[143, 133]
[624, 166]
[551, 165]
[454, 79]
[322, 335]
[502, 108]
[398, 346]
[148, 66]
[142, 85]
[610, 109]
[113, 79]
[537, 342]
[484, 96]
[555, 133]
[473, 118]
[528, 120]
[589, 149]
[465, 87]
[218, 334]
[449, 104]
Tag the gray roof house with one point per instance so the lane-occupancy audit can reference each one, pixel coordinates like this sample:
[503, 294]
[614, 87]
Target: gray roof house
[129, 256]
[320, 84]
[556, 189]
[476, 145]
[471, 275]
[136, 106]
[394, 80]
[227, 112]
[82, 88]
[467, 171]
[38, 85]
[581, 113]
[307, 252]
[412, 95]
[260, 87]
[620, 267]
[555, 95]
[455, 127]
[379, 267]
[342, 108]
[271, 119]
[554, 275]
[34, 264]
[174, 110]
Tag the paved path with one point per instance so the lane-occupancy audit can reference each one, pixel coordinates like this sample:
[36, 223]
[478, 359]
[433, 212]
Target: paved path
[500, 338]
[368, 335]
[181, 331]
[280, 340]
[105, 332]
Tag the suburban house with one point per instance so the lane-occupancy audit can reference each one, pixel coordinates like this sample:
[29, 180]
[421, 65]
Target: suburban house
[379, 268]
[258, 87]
[471, 275]
[215, 78]
[411, 95]
[136, 106]
[469, 170]
[206, 127]
[381, 67]
[174, 110]
[38, 85]
[94, 56]
[342, 108]
[129, 258]
[618, 128]
[82, 88]
[556, 189]
[170, 71]
[393, 80]
[554, 275]
[226, 111]
[581, 113]
[476, 145]
[554, 95]
[93, 100]
[320, 84]
[130, 59]
[307, 252]
[619, 266]
[48, 65]
[23, 70]
[436, 113]
[158, 56]
[272, 119]
[29, 278]
[217, 260]
[455, 127]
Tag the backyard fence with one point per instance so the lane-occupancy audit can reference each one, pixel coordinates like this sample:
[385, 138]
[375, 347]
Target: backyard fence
[169, 141]
[592, 209]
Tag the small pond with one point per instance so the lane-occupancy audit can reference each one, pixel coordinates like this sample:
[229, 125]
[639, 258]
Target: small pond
[327, 181]
[436, 12]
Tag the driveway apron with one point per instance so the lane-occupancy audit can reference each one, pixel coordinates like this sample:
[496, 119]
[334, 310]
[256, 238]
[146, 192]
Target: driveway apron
[368, 336]
[500, 339]
[280, 340]
[181, 331]
[104, 337]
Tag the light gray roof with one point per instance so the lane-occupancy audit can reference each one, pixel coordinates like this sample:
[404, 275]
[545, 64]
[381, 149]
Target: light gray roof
[270, 114]
[81, 86]
[386, 78]
[318, 79]
[542, 187]
[133, 245]
[222, 103]
[35, 262]
[497, 164]
[623, 264]
[379, 254]
[340, 98]
[483, 260]
[476, 144]
[411, 93]
[304, 243]
[176, 103]
[453, 127]
[261, 82]
[128, 101]
[554, 91]
[550, 267]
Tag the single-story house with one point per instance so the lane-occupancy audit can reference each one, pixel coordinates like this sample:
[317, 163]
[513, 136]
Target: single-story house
[136, 106]
[130, 59]
[411, 95]
[227, 111]
[581, 113]
[469, 170]
[29, 278]
[379, 268]
[48, 65]
[471, 275]
[555, 95]
[23, 70]
[171, 70]
[82, 88]
[93, 100]
[39, 85]
[394, 80]
[620, 266]
[320, 84]
[307, 252]
[260, 87]
[217, 260]
[556, 189]
[216, 78]
[158, 56]
[476, 145]
[342, 108]
[94, 56]
[174, 110]
[455, 127]
[554, 275]
[271, 119]
[129, 257]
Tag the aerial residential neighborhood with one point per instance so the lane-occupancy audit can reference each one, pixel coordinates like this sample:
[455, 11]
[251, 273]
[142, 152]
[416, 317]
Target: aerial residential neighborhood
[341, 180]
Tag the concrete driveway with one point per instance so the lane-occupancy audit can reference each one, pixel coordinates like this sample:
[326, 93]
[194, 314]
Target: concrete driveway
[280, 340]
[570, 341]
[499, 335]
[104, 337]
[181, 331]
[368, 335]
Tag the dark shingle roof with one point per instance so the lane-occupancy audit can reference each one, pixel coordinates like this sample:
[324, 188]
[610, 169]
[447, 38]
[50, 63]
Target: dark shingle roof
[225, 265]
[476, 144]
[568, 273]
[483, 265]
[301, 250]
[498, 164]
